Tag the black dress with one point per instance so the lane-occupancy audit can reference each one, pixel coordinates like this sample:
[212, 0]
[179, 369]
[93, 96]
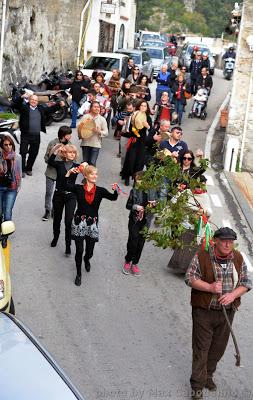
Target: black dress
[135, 156]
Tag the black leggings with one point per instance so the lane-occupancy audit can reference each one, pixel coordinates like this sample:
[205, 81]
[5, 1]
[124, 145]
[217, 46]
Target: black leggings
[90, 244]
[61, 200]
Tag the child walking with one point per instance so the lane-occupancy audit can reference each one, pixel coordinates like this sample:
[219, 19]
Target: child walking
[139, 218]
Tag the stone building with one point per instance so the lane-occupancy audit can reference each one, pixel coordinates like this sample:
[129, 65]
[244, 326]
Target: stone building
[41, 35]
[240, 122]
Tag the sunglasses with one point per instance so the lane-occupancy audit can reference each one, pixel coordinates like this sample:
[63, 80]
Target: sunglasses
[79, 74]
[8, 144]
[136, 69]
[187, 158]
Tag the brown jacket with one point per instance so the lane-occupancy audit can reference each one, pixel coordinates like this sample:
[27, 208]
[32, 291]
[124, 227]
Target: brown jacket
[203, 299]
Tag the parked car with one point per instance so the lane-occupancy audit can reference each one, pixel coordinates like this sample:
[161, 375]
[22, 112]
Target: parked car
[28, 371]
[6, 301]
[105, 62]
[159, 56]
[184, 55]
[141, 59]
[146, 36]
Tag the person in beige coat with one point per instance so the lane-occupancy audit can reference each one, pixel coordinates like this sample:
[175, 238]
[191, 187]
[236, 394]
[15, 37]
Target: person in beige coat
[92, 145]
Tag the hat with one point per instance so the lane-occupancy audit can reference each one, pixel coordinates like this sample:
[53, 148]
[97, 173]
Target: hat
[225, 233]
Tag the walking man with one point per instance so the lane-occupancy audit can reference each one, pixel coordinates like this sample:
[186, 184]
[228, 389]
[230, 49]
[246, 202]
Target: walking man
[31, 123]
[218, 279]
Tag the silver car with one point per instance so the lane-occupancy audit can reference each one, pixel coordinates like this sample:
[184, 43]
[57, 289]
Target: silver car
[159, 56]
[27, 370]
[142, 60]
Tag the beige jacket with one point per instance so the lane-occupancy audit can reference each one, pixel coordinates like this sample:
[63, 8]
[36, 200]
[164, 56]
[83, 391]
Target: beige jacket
[95, 140]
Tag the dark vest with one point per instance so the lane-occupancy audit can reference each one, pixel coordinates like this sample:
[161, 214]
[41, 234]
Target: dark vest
[203, 299]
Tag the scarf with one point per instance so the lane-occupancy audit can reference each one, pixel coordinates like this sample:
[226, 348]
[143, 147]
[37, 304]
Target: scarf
[9, 161]
[89, 194]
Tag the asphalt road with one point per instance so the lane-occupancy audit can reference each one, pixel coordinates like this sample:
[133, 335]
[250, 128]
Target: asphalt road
[116, 336]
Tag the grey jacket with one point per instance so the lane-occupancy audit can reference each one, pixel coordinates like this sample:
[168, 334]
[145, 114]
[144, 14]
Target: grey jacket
[51, 171]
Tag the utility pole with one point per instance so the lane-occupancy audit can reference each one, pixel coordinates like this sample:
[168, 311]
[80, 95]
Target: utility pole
[2, 41]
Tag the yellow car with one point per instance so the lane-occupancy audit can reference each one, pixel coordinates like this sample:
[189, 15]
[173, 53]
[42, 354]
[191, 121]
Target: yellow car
[6, 302]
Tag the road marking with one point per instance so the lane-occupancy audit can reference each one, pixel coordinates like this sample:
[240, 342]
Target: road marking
[215, 199]
[225, 222]
[209, 181]
[247, 261]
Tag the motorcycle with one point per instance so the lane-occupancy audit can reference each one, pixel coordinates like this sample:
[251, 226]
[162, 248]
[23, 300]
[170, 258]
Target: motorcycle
[229, 65]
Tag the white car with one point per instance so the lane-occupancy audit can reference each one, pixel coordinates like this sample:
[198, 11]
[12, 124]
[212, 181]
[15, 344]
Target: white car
[159, 56]
[105, 62]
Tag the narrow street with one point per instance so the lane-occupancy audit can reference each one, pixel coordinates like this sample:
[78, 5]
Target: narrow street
[116, 336]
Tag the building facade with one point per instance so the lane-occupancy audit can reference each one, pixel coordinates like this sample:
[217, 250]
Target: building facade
[240, 122]
[39, 36]
[109, 27]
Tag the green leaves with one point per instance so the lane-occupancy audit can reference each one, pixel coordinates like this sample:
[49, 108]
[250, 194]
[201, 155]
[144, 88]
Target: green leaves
[180, 212]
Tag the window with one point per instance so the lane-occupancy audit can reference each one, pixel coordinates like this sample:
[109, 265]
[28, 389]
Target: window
[104, 63]
[155, 53]
[121, 37]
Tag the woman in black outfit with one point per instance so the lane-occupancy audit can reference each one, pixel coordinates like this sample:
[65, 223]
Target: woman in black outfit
[85, 222]
[135, 155]
[78, 89]
[63, 197]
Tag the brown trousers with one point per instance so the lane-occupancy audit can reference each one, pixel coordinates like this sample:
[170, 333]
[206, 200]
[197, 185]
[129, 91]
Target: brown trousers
[210, 334]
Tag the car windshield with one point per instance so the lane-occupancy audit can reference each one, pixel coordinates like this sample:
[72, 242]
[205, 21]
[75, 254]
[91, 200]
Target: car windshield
[135, 57]
[155, 44]
[150, 36]
[190, 49]
[105, 63]
[155, 53]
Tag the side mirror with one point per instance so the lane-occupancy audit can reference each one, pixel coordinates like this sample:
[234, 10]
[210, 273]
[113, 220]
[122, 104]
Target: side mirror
[7, 228]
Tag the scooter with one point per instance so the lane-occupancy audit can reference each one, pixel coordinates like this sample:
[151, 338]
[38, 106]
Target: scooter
[229, 65]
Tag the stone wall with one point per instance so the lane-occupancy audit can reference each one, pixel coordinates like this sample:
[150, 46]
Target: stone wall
[240, 89]
[40, 35]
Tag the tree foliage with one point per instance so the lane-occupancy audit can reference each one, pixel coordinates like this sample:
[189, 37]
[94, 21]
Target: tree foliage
[208, 19]
[172, 216]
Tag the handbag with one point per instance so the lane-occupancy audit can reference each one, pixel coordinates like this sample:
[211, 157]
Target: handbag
[6, 179]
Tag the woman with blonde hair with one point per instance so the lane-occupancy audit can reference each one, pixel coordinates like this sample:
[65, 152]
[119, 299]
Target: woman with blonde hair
[85, 221]
[63, 197]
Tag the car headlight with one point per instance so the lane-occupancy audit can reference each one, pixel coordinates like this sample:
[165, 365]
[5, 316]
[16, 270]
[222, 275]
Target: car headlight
[1, 289]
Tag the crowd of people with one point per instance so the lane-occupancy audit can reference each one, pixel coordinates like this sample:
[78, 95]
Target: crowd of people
[143, 132]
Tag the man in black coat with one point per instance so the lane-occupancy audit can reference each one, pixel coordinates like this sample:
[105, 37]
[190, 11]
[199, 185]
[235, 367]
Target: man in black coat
[31, 123]
[195, 69]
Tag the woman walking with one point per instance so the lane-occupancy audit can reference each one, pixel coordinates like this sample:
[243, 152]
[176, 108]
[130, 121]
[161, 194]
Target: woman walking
[85, 222]
[78, 88]
[179, 88]
[10, 177]
[63, 197]
[135, 156]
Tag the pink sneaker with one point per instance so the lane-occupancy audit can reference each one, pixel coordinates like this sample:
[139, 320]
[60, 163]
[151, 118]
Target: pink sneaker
[135, 269]
[126, 268]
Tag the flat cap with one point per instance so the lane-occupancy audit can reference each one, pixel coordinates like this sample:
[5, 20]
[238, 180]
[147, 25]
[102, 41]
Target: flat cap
[225, 233]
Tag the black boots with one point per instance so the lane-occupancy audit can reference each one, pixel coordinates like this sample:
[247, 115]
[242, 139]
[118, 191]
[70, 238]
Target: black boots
[78, 280]
[54, 241]
[86, 264]
[68, 249]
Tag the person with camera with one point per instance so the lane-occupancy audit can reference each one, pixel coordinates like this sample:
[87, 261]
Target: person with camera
[10, 178]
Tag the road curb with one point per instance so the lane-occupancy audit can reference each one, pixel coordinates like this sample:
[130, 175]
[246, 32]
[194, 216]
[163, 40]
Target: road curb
[211, 130]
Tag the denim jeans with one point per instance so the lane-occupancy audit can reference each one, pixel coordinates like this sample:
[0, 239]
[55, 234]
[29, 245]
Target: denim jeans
[90, 154]
[179, 109]
[50, 185]
[7, 200]
[74, 109]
